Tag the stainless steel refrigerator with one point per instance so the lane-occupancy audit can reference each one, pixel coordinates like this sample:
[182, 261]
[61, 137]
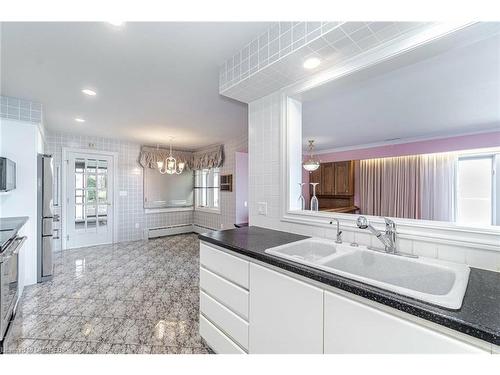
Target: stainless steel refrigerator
[45, 217]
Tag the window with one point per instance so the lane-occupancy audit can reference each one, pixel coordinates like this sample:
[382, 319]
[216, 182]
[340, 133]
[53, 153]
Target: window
[475, 186]
[207, 190]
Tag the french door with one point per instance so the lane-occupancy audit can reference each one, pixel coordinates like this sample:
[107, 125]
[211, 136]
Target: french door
[89, 199]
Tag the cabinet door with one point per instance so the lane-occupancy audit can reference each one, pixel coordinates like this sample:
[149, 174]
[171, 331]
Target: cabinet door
[286, 315]
[315, 177]
[327, 179]
[344, 178]
[353, 327]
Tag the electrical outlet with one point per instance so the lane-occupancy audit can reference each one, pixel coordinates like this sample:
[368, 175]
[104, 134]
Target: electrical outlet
[222, 226]
[136, 225]
[262, 208]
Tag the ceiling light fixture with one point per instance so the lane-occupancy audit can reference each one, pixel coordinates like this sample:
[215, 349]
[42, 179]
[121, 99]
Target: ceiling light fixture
[116, 23]
[170, 165]
[89, 92]
[78, 119]
[311, 63]
[312, 163]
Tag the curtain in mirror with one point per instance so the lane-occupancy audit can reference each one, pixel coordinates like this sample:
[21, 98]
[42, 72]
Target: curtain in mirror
[413, 187]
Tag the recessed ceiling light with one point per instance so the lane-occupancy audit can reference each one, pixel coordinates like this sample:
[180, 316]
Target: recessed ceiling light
[312, 62]
[79, 120]
[89, 92]
[116, 23]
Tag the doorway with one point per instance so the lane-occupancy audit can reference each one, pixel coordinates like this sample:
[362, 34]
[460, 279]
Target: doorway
[89, 212]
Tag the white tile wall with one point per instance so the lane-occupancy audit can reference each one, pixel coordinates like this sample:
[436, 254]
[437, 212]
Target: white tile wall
[130, 179]
[20, 109]
[265, 186]
[274, 59]
[227, 217]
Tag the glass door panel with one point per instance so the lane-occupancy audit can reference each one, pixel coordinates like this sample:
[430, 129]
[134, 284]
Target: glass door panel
[89, 188]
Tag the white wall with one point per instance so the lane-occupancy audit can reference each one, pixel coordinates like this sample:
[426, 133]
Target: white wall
[227, 217]
[241, 187]
[266, 186]
[20, 142]
[132, 221]
[131, 217]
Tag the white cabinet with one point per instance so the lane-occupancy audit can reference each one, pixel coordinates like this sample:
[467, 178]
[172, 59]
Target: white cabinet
[353, 327]
[234, 326]
[223, 300]
[223, 264]
[246, 307]
[286, 315]
[216, 339]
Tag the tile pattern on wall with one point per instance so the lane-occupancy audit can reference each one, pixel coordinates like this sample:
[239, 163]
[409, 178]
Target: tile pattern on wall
[133, 297]
[274, 59]
[227, 218]
[130, 180]
[265, 186]
[20, 109]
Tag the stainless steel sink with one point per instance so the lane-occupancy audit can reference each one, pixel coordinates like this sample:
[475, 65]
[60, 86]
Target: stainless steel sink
[429, 280]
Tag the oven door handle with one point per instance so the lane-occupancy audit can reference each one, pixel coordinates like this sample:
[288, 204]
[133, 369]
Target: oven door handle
[20, 241]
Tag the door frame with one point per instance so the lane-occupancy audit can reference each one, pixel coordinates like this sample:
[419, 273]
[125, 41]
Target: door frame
[65, 161]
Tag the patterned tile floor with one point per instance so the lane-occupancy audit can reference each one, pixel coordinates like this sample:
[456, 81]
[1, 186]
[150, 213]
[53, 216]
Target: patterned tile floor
[135, 297]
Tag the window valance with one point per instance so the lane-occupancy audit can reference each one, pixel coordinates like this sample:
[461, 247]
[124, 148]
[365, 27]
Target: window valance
[149, 156]
[209, 158]
[205, 159]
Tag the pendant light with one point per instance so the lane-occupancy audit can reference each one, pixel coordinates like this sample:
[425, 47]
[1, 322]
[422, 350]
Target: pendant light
[170, 165]
[159, 164]
[312, 163]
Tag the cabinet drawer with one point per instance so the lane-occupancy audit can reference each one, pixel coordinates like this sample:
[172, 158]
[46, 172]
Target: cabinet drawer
[354, 328]
[219, 342]
[230, 295]
[224, 319]
[230, 267]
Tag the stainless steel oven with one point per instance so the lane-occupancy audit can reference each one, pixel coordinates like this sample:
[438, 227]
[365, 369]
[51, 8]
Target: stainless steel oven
[9, 279]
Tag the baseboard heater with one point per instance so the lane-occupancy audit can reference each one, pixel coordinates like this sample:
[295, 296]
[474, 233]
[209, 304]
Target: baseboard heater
[177, 229]
[200, 229]
[169, 230]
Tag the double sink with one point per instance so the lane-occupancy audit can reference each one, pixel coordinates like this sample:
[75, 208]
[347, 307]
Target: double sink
[430, 280]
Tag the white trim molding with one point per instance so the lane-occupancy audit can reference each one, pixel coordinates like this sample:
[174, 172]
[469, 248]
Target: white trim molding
[148, 211]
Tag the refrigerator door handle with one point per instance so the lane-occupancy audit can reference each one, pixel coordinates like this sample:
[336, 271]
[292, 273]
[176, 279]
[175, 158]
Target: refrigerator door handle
[47, 187]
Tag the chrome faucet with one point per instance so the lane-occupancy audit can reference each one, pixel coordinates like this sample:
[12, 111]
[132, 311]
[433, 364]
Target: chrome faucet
[339, 232]
[388, 238]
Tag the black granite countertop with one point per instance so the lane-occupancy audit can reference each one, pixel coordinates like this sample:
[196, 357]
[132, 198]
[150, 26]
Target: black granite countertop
[9, 226]
[479, 316]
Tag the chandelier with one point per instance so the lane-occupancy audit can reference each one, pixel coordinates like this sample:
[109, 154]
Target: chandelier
[312, 163]
[170, 165]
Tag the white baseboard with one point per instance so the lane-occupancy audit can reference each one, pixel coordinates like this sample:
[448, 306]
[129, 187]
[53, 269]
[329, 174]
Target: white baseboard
[169, 230]
[200, 229]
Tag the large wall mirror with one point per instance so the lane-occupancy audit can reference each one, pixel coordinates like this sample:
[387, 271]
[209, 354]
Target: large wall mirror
[168, 190]
[416, 136]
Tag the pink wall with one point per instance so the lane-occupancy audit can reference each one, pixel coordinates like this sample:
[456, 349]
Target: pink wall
[464, 142]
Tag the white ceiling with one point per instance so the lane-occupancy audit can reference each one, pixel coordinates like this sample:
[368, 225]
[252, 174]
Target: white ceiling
[153, 80]
[453, 92]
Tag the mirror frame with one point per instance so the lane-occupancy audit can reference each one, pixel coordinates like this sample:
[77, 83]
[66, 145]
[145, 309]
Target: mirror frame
[487, 238]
